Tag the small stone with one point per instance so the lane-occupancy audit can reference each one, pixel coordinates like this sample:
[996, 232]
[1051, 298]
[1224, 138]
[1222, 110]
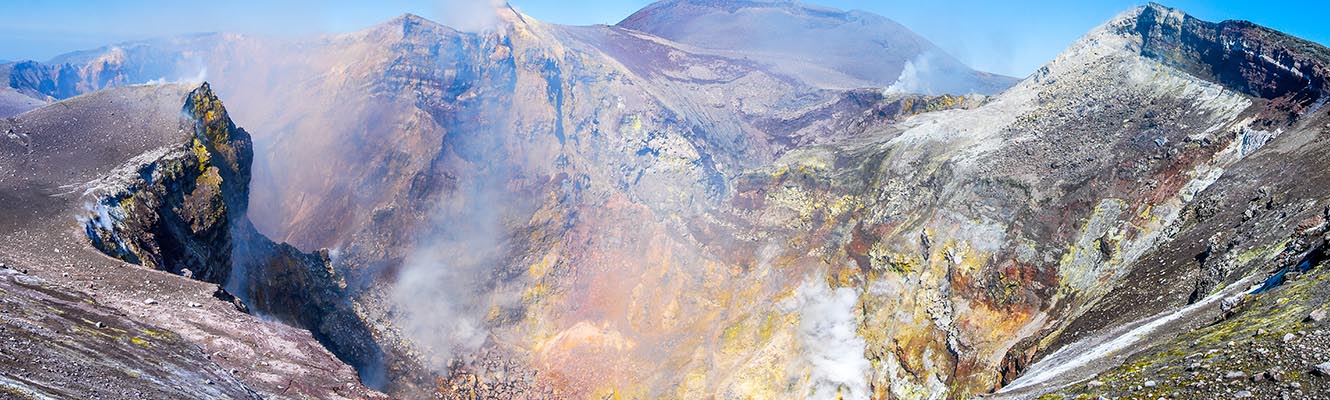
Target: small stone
[1242, 394]
[1323, 369]
[1095, 384]
[1316, 316]
[1288, 337]
[149, 301]
[194, 305]
[1194, 366]
[1295, 385]
[1151, 384]
[99, 325]
[1235, 375]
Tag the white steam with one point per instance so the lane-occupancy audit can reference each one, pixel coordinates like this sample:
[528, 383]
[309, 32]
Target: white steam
[472, 15]
[916, 77]
[198, 78]
[828, 330]
[440, 297]
[933, 74]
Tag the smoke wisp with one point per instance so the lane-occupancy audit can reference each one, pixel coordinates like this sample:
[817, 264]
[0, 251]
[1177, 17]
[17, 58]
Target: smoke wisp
[439, 294]
[828, 331]
[472, 15]
[932, 73]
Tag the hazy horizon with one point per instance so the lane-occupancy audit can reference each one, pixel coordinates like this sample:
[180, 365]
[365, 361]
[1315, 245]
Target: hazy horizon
[995, 37]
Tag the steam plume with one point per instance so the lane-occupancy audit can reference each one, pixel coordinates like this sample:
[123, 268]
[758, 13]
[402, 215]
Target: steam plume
[828, 331]
[439, 294]
[472, 15]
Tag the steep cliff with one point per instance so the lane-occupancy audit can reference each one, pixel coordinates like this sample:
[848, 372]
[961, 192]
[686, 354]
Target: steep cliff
[133, 174]
[637, 211]
[183, 211]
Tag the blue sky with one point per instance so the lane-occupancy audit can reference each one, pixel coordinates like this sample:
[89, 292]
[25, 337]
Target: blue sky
[1008, 37]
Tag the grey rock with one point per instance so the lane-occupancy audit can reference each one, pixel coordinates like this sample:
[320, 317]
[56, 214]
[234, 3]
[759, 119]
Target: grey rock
[1319, 315]
[1322, 369]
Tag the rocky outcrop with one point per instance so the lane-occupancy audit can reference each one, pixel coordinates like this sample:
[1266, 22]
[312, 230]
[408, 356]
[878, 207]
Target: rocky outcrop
[1246, 57]
[156, 175]
[175, 209]
[1251, 225]
[182, 209]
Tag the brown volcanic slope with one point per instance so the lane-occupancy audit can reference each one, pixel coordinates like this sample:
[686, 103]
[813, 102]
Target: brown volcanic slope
[597, 211]
[84, 325]
[825, 46]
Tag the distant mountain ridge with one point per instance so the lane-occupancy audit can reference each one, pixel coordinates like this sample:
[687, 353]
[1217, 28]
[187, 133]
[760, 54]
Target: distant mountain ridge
[833, 47]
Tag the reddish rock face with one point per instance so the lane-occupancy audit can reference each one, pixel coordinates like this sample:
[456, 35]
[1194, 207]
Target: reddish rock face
[596, 211]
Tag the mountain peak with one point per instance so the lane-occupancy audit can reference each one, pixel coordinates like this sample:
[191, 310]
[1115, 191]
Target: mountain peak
[1241, 55]
[480, 16]
[831, 47]
[408, 18]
